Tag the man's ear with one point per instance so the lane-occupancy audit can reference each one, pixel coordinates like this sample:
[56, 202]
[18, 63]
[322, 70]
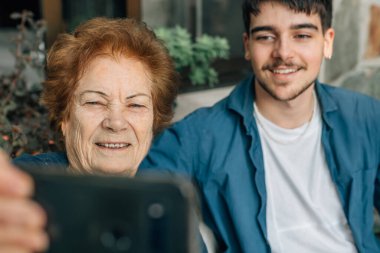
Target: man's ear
[328, 43]
[247, 53]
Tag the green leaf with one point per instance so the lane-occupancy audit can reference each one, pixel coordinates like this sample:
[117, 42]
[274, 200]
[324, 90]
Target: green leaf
[212, 77]
[15, 15]
[197, 76]
[11, 106]
[197, 55]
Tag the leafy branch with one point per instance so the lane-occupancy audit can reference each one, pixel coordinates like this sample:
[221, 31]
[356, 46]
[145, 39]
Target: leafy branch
[24, 125]
[194, 58]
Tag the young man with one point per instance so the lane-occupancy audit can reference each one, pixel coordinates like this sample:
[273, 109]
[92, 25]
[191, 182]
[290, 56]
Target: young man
[284, 163]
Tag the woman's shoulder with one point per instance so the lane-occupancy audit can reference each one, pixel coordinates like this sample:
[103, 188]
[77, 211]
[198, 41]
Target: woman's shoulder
[56, 160]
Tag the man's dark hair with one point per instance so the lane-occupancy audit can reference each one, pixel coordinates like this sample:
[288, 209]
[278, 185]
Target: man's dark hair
[322, 7]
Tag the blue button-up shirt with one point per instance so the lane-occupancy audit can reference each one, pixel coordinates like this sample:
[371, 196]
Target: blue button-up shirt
[219, 148]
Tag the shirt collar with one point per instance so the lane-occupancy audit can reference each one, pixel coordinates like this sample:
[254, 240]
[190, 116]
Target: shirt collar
[326, 102]
[241, 100]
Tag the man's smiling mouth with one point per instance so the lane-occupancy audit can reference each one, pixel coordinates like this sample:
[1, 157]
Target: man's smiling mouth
[284, 71]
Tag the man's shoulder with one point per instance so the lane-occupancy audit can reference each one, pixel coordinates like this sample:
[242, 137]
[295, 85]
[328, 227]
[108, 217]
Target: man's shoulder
[350, 109]
[225, 110]
[346, 98]
[344, 92]
[51, 159]
[204, 118]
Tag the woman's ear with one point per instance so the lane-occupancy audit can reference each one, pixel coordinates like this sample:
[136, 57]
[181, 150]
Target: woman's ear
[63, 128]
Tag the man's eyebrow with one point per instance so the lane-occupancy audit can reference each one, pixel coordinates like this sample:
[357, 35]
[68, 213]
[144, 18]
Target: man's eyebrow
[260, 28]
[304, 26]
[293, 27]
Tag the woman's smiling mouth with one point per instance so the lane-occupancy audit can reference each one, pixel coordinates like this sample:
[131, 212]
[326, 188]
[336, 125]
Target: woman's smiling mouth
[113, 145]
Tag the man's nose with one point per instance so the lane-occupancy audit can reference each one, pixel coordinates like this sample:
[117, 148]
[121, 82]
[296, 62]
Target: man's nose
[283, 49]
[115, 119]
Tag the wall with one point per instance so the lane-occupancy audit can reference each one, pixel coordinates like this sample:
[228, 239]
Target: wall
[356, 60]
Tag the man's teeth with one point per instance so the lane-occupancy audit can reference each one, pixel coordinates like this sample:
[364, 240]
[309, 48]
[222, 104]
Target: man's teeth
[284, 71]
[113, 145]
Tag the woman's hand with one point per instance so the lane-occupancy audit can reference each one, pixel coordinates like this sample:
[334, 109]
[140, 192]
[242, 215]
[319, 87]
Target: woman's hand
[22, 221]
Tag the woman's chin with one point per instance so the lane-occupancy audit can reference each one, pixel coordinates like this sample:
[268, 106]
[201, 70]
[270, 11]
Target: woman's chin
[115, 170]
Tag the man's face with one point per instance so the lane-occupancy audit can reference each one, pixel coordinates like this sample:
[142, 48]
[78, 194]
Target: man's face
[109, 129]
[286, 49]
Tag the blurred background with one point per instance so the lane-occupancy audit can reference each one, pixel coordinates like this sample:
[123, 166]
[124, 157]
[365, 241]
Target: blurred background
[357, 47]
[355, 64]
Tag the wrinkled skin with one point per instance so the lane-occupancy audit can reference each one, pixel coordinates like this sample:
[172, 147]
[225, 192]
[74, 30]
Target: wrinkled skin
[109, 130]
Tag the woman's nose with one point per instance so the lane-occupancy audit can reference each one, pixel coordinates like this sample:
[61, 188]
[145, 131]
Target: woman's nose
[115, 120]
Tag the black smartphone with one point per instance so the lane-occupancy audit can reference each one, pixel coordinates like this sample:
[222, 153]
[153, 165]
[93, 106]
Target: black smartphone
[109, 214]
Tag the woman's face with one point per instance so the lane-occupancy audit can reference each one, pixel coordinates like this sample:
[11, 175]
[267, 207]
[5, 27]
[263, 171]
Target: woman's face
[109, 129]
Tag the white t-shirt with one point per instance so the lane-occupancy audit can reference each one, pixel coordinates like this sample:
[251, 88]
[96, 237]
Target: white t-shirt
[304, 213]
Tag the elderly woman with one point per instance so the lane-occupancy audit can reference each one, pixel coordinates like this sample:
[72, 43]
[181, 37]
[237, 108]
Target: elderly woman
[110, 88]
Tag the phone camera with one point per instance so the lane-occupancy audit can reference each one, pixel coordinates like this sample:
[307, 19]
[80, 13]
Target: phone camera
[116, 240]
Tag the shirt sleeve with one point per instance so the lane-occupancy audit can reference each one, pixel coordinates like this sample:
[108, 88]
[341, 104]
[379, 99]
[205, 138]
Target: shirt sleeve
[377, 188]
[171, 151]
[377, 179]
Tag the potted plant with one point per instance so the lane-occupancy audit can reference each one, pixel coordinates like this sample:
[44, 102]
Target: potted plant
[193, 58]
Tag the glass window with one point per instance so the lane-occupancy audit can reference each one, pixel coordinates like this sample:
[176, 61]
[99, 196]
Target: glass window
[75, 12]
[224, 18]
[166, 13]
[10, 6]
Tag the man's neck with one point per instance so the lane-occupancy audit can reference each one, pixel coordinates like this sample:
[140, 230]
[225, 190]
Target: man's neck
[286, 114]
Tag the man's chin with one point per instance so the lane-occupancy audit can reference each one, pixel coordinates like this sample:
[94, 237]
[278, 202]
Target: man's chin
[285, 96]
[282, 91]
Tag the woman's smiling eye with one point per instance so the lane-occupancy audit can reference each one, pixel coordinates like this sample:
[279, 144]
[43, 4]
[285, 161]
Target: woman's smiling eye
[133, 105]
[93, 103]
